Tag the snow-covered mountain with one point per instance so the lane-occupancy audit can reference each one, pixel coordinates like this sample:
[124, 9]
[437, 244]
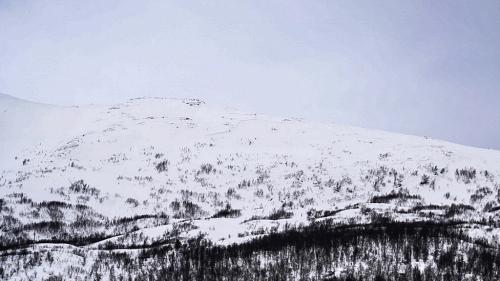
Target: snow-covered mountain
[153, 171]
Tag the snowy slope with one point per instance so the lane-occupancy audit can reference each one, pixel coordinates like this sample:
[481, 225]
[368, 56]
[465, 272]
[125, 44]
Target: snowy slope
[178, 162]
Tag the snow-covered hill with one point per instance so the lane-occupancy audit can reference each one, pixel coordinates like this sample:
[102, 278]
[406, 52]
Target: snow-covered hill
[151, 171]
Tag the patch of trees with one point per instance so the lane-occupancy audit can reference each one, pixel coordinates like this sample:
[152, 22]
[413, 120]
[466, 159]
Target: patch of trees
[376, 177]
[52, 204]
[186, 209]
[457, 209]
[232, 194]
[45, 226]
[244, 183]
[338, 185]
[206, 169]
[279, 214]
[81, 187]
[124, 220]
[321, 252]
[21, 198]
[227, 212]
[435, 170]
[480, 194]
[315, 214]
[492, 209]
[465, 174]
[419, 208]
[401, 195]
[276, 214]
[162, 166]
[449, 211]
[58, 238]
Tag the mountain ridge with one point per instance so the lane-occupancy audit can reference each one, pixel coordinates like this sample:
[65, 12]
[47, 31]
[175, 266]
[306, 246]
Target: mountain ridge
[25, 101]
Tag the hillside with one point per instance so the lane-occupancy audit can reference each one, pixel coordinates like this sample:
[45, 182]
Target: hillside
[154, 172]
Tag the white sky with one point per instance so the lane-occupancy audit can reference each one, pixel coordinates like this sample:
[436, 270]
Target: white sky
[418, 67]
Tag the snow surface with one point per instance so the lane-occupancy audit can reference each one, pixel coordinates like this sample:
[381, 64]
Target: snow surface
[255, 163]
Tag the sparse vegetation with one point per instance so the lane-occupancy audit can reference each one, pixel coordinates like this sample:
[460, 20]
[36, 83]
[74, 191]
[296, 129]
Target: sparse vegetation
[132, 202]
[376, 177]
[425, 180]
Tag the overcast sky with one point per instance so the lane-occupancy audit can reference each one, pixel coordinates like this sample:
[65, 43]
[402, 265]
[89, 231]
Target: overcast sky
[417, 67]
